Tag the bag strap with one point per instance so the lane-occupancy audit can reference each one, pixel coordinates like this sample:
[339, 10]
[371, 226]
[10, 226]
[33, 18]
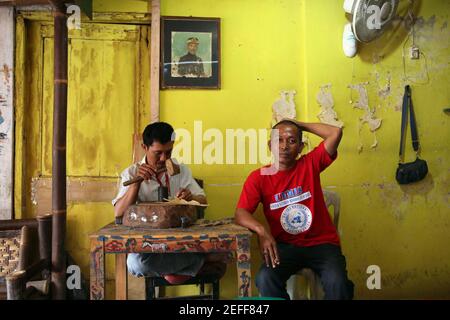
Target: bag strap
[412, 121]
[407, 104]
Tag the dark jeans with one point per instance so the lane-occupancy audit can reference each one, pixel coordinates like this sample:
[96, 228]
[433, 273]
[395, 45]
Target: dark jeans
[325, 259]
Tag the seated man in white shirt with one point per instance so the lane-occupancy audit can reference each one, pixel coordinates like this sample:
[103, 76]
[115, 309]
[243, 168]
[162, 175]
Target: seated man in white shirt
[158, 140]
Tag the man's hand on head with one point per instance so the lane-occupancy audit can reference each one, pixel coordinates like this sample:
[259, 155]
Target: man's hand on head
[331, 135]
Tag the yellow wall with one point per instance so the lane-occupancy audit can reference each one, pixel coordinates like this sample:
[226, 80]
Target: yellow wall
[270, 45]
[261, 55]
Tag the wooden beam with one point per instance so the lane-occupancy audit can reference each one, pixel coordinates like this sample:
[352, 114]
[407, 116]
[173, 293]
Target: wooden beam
[106, 17]
[22, 2]
[78, 190]
[121, 276]
[31, 2]
[154, 60]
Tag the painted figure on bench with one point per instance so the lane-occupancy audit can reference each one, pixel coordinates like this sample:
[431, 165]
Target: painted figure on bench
[302, 234]
[158, 141]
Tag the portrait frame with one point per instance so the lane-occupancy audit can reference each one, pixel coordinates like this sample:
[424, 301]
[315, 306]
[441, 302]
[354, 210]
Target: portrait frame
[190, 53]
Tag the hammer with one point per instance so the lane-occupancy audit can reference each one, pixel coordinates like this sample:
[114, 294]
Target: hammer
[171, 168]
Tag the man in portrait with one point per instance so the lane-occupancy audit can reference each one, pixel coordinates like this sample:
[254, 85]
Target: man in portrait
[190, 64]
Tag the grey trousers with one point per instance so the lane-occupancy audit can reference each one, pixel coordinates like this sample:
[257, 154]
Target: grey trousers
[160, 264]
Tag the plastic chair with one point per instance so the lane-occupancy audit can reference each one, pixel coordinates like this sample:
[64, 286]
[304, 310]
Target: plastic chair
[314, 286]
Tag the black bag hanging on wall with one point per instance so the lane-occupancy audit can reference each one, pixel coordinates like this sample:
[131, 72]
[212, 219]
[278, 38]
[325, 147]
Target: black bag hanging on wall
[411, 171]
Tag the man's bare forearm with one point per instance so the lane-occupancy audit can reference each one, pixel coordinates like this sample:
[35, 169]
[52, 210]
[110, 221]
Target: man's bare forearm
[128, 199]
[330, 134]
[246, 219]
[321, 129]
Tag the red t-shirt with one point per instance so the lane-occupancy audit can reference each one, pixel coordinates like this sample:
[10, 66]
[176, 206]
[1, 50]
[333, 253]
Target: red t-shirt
[293, 201]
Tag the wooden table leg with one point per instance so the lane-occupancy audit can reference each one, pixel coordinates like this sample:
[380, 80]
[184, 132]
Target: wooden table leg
[97, 268]
[243, 265]
[121, 276]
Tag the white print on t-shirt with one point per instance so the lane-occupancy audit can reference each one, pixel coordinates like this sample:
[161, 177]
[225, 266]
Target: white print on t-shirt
[296, 218]
[290, 193]
[284, 203]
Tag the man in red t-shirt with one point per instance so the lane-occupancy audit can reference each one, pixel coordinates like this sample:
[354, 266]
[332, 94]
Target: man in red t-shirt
[302, 234]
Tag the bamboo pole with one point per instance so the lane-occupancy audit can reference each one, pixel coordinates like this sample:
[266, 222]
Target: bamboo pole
[17, 224]
[45, 236]
[15, 285]
[59, 205]
[25, 248]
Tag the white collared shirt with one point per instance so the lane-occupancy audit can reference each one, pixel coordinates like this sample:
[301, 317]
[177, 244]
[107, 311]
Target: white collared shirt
[148, 190]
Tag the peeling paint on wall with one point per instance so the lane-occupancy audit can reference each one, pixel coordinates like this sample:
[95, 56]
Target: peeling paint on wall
[368, 117]
[384, 91]
[34, 182]
[6, 70]
[327, 114]
[284, 107]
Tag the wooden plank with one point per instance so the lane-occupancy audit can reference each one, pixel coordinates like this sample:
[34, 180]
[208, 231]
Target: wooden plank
[154, 60]
[6, 111]
[78, 190]
[32, 13]
[23, 2]
[121, 276]
[28, 113]
[92, 31]
[19, 101]
[138, 151]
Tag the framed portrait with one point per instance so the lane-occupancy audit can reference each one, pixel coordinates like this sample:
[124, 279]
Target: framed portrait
[190, 53]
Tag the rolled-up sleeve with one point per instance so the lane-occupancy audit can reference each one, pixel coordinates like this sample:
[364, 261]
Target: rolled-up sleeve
[126, 175]
[320, 158]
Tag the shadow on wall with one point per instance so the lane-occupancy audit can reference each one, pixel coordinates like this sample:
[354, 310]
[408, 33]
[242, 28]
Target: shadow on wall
[394, 36]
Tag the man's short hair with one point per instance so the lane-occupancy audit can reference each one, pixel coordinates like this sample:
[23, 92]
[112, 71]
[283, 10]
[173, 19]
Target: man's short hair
[291, 123]
[161, 132]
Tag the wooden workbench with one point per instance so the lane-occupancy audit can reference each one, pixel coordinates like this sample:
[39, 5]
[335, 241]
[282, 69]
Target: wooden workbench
[204, 236]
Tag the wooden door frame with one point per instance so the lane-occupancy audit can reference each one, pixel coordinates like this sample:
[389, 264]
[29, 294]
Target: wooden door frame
[97, 17]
